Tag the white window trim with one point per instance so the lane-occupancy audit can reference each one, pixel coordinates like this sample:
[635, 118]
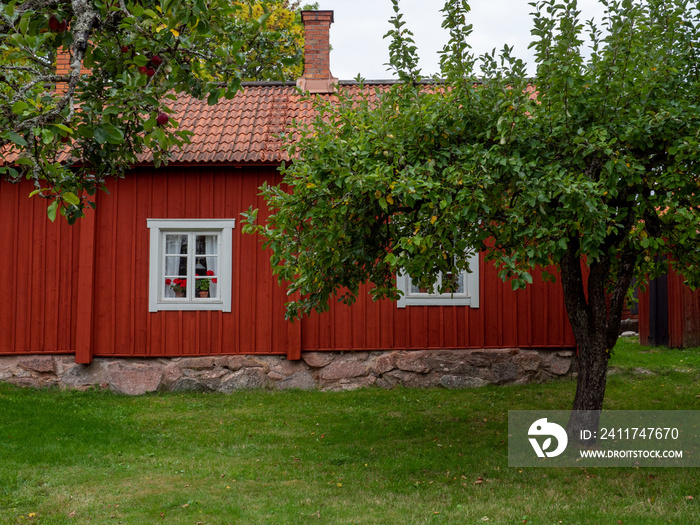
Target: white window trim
[221, 227]
[469, 298]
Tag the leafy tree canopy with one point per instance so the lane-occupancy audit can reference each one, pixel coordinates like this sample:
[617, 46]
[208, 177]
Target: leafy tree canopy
[592, 161]
[277, 53]
[140, 54]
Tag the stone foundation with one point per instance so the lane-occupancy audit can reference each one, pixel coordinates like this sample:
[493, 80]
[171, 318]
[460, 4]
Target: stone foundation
[316, 370]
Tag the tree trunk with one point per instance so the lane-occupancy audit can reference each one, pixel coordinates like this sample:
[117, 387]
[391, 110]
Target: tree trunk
[590, 392]
[596, 328]
[590, 384]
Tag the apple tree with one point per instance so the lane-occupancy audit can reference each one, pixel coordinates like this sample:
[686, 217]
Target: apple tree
[69, 129]
[590, 164]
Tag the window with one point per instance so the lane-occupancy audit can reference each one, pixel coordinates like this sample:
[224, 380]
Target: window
[465, 293]
[190, 265]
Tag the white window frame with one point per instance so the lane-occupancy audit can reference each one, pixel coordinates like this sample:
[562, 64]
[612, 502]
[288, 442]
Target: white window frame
[223, 228]
[470, 297]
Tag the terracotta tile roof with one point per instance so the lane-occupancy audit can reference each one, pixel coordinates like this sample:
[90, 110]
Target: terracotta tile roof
[243, 129]
[247, 128]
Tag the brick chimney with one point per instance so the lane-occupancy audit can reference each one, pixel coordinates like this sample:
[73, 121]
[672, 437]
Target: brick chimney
[317, 76]
[63, 68]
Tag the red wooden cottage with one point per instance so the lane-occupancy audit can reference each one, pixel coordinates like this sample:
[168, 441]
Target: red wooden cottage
[110, 286]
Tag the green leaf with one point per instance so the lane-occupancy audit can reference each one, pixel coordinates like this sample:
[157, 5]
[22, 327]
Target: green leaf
[149, 124]
[263, 18]
[16, 138]
[88, 60]
[114, 134]
[214, 97]
[46, 136]
[101, 134]
[19, 106]
[51, 210]
[71, 198]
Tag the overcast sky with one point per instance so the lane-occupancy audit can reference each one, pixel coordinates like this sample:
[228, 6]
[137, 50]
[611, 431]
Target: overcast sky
[359, 25]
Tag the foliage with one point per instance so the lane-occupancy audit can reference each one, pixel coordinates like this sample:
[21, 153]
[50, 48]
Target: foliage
[178, 285]
[593, 161]
[68, 130]
[602, 159]
[277, 52]
[204, 284]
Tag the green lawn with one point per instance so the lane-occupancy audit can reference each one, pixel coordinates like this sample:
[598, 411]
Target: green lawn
[369, 456]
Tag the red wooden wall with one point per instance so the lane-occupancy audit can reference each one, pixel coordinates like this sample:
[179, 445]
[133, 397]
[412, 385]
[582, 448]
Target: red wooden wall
[683, 314]
[534, 317]
[123, 324]
[84, 288]
[39, 275]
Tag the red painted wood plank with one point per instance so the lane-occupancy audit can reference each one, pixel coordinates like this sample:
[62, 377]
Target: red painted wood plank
[141, 263]
[358, 320]
[231, 339]
[52, 284]
[309, 333]
[400, 327]
[509, 316]
[248, 276]
[67, 307]
[462, 321]
[124, 271]
[105, 274]
[38, 286]
[86, 287]
[417, 332]
[533, 328]
[294, 335]
[491, 305]
[24, 264]
[264, 289]
[555, 320]
[325, 335]
[387, 324]
[9, 195]
[342, 327]
[477, 336]
[433, 326]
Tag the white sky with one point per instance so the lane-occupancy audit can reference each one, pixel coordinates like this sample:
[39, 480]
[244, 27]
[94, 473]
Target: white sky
[359, 25]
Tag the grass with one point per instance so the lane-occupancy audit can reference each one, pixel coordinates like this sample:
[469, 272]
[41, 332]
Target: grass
[369, 456]
[629, 355]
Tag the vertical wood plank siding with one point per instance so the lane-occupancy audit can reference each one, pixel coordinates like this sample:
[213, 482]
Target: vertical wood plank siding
[39, 268]
[533, 318]
[39, 275]
[124, 326]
